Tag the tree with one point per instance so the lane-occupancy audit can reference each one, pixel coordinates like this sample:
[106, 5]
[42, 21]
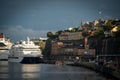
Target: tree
[86, 32]
[74, 29]
[49, 34]
[54, 36]
[99, 33]
[110, 23]
[47, 50]
[58, 33]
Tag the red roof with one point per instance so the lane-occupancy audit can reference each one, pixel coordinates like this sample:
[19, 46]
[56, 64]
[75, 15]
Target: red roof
[1, 35]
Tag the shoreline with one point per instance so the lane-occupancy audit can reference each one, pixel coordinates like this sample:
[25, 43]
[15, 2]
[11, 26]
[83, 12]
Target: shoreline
[105, 71]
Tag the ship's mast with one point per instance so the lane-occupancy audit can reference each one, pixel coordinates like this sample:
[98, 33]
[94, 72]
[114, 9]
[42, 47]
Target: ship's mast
[28, 40]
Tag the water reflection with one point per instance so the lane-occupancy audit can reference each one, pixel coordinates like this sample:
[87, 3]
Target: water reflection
[17, 71]
[3, 63]
[30, 71]
[69, 73]
[3, 76]
[31, 68]
[3, 70]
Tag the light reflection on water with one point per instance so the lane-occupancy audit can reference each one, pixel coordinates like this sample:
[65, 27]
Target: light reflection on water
[30, 71]
[3, 69]
[31, 68]
[17, 71]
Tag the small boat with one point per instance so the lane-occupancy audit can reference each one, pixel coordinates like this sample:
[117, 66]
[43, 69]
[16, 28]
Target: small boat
[25, 52]
[5, 45]
[58, 62]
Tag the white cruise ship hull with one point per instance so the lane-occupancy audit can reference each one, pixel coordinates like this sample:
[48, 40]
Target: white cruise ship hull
[31, 60]
[15, 59]
[25, 52]
[25, 59]
[4, 55]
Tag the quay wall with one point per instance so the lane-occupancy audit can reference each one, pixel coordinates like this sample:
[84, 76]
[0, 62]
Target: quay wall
[107, 71]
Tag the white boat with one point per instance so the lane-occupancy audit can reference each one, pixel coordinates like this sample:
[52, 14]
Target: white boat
[25, 52]
[5, 45]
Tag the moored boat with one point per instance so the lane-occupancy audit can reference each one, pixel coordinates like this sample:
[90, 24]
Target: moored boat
[25, 52]
[5, 45]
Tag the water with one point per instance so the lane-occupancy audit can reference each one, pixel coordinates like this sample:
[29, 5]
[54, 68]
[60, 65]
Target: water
[17, 71]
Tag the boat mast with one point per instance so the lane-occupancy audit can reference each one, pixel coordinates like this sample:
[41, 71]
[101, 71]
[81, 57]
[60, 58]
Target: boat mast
[28, 40]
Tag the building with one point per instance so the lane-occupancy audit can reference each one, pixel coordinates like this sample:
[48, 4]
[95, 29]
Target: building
[54, 48]
[39, 41]
[69, 49]
[70, 36]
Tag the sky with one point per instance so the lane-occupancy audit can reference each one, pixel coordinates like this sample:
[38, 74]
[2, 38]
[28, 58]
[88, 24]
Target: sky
[20, 19]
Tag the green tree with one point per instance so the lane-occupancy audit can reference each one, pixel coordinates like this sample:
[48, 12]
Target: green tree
[85, 32]
[74, 29]
[54, 36]
[47, 50]
[110, 23]
[58, 33]
[99, 33]
[49, 34]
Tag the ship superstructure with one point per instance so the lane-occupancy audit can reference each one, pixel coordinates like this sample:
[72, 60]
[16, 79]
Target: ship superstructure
[5, 45]
[25, 52]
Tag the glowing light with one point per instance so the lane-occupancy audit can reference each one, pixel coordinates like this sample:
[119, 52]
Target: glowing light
[115, 29]
[70, 28]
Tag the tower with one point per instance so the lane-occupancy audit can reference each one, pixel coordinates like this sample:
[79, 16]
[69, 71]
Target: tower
[80, 27]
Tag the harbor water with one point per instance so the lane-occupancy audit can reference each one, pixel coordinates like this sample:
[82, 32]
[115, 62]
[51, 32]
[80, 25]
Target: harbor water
[18, 71]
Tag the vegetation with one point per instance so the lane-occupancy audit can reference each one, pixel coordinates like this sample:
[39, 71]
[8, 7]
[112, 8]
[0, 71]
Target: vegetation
[86, 32]
[73, 29]
[51, 36]
[54, 36]
[47, 49]
[111, 27]
[99, 33]
[110, 23]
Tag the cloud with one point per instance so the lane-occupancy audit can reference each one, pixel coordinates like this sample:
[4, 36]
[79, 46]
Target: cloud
[16, 33]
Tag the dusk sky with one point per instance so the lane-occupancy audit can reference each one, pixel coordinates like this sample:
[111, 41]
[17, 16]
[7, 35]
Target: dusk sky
[34, 18]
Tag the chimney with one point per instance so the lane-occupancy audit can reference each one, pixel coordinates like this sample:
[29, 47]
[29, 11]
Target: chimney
[1, 35]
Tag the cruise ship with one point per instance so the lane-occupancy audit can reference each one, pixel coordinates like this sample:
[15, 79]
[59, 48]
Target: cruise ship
[5, 45]
[25, 52]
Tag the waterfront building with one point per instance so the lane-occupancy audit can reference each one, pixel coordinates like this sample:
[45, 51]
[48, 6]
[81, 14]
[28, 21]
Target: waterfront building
[74, 45]
[39, 41]
[68, 48]
[54, 48]
[70, 36]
